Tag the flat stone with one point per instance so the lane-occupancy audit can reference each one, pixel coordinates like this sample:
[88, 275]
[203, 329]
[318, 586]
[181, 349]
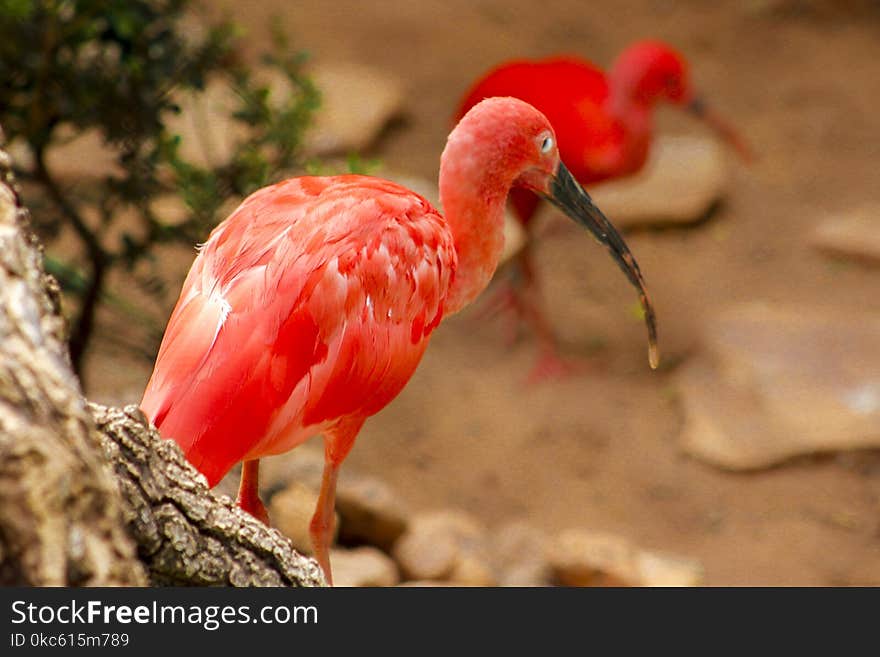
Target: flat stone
[581, 557]
[369, 512]
[206, 125]
[852, 236]
[681, 181]
[208, 133]
[357, 102]
[363, 566]
[76, 155]
[777, 382]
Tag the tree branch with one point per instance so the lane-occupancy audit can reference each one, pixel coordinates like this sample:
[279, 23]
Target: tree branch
[60, 512]
[91, 495]
[185, 533]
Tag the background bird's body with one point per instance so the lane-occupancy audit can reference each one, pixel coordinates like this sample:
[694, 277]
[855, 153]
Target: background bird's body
[310, 306]
[604, 124]
[603, 133]
[598, 138]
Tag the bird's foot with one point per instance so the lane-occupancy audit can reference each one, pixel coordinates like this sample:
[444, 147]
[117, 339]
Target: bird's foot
[249, 491]
[254, 505]
[504, 303]
[551, 366]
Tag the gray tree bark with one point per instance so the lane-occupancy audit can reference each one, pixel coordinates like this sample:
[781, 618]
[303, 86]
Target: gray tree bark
[90, 495]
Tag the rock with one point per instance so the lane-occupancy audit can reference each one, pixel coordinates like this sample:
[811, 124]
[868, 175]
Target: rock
[853, 236]
[665, 570]
[356, 104]
[20, 153]
[424, 554]
[520, 555]
[445, 545]
[585, 558]
[369, 512]
[472, 570]
[681, 181]
[424, 583]
[467, 531]
[303, 465]
[291, 512]
[776, 382]
[363, 566]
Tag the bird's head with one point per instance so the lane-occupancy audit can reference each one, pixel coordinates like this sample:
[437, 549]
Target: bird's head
[506, 139]
[652, 71]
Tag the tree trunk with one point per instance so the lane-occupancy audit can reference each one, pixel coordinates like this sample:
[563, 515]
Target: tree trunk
[92, 496]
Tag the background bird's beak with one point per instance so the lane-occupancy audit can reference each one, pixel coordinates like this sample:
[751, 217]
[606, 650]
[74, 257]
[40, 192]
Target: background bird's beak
[707, 115]
[566, 194]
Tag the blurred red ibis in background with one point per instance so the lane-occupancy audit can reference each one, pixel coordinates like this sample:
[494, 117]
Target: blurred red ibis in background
[309, 308]
[604, 125]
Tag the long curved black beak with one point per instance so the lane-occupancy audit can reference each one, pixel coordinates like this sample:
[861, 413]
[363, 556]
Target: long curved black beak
[707, 115]
[566, 194]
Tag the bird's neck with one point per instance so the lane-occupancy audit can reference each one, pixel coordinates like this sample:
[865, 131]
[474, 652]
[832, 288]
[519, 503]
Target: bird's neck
[626, 101]
[635, 115]
[473, 191]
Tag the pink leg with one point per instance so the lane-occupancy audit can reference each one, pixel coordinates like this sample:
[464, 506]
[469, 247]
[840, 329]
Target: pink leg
[249, 491]
[337, 443]
[520, 303]
[515, 298]
[321, 527]
[503, 302]
[550, 364]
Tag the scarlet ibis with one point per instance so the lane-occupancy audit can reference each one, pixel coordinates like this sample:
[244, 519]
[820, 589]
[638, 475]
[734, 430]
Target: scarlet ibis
[604, 125]
[308, 309]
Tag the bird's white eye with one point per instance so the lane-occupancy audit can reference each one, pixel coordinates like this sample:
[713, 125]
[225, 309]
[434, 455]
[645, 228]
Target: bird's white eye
[547, 144]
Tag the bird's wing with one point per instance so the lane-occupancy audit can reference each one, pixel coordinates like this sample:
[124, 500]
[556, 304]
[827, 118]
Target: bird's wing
[595, 147]
[312, 302]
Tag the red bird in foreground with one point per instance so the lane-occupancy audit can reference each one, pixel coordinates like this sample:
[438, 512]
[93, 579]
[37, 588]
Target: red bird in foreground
[309, 308]
[604, 126]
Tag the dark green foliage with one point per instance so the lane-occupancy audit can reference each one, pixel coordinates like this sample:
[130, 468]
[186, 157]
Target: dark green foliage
[112, 65]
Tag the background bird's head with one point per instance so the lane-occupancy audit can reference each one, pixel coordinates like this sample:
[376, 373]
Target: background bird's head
[650, 71]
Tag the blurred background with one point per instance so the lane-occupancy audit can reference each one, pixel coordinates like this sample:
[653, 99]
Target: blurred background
[751, 455]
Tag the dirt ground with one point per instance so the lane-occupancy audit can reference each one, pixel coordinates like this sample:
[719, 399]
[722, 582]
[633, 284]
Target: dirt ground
[802, 81]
